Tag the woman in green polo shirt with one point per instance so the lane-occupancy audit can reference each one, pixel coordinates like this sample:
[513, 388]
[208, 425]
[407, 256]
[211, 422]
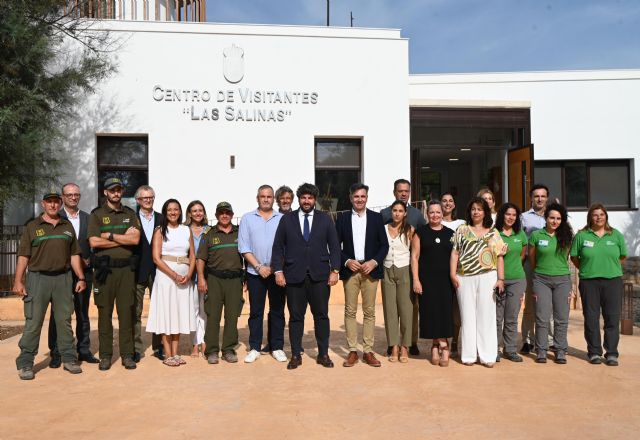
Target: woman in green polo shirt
[515, 282]
[548, 252]
[598, 251]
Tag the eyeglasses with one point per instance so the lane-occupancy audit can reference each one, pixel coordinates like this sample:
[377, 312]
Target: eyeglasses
[146, 199]
[72, 196]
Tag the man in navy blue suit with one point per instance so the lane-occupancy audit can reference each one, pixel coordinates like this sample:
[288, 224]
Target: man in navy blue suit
[306, 259]
[364, 247]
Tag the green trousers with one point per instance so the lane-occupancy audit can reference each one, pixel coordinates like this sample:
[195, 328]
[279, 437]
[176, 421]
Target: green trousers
[397, 306]
[223, 294]
[119, 287]
[42, 290]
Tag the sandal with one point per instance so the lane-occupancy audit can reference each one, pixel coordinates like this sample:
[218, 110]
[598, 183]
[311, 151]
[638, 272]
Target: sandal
[179, 360]
[394, 354]
[435, 354]
[445, 355]
[404, 355]
[170, 362]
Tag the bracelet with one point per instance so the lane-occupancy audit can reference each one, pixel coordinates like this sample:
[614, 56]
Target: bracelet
[82, 279]
[257, 267]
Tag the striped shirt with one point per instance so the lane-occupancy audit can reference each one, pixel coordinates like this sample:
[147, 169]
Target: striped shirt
[477, 255]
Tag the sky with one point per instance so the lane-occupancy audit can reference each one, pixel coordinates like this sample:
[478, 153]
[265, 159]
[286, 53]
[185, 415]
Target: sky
[448, 36]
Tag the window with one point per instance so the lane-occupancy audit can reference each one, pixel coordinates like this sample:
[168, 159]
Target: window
[125, 157]
[338, 166]
[578, 184]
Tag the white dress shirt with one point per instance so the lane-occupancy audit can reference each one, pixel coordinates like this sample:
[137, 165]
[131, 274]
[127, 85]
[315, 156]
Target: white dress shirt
[74, 220]
[359, 230]
[301, 214]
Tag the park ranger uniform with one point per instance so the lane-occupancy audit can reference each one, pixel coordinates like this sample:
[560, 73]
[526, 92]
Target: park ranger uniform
[225, 273]
[49, 249]
[114, 279]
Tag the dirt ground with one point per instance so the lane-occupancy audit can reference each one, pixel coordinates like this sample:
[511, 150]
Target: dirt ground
[263, 400]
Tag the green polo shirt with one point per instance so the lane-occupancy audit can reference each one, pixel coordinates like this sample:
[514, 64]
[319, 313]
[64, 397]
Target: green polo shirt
[219, 249]
[548, 261]
[512, 262]
[48, 247]
[599, 256]
[106, 219]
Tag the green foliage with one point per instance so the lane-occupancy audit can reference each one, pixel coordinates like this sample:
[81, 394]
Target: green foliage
[49, 60]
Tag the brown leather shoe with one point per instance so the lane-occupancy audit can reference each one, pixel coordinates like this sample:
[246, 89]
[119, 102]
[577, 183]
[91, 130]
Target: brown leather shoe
[370, 359]
[351, 360]
[294, 363]
[325, 361]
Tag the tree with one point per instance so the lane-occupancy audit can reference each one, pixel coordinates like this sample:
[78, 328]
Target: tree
[49, 59]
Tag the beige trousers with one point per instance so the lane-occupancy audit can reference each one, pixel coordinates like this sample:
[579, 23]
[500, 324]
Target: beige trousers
[356, 284]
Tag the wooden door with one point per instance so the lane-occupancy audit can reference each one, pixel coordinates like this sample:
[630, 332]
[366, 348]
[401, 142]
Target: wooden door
[520, 176]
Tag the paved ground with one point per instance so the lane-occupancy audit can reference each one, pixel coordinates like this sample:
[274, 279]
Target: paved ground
[264, 400]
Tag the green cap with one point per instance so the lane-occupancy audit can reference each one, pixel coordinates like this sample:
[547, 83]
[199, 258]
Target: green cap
[112, 182]
[224, 206]
[51, 194]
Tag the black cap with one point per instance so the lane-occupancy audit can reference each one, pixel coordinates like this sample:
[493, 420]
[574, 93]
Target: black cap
[112, 182]
[224, 206]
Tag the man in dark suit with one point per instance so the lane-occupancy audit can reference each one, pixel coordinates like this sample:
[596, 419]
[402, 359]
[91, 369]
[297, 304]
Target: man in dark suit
[149, 220]
[306, 259]
[79, 219]
[364, 247]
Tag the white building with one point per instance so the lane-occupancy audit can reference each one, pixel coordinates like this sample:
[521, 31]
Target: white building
[211, 111]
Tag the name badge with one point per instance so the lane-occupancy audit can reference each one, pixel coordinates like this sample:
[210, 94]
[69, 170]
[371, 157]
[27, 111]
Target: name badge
[588, 243]
[543, 242]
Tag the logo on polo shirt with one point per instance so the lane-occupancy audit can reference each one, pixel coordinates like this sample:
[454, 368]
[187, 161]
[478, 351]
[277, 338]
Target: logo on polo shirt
[610, 243]
[106, 220]
[543, 242]
[216, 240]
[39, 232]
[69, 233]
[588, 243]
[125, 220]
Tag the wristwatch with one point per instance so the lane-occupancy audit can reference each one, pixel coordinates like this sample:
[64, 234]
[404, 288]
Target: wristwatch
[335, 270]
[110, 236]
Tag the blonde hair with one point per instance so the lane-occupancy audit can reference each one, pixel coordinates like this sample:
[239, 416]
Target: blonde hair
[484, 191]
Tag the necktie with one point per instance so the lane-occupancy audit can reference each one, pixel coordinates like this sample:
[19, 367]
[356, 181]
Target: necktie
[306, 230]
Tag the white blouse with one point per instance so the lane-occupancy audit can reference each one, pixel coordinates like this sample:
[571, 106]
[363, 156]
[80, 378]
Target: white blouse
[399, 254]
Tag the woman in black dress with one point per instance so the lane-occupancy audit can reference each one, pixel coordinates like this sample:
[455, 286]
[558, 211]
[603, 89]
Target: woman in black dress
[430, 253]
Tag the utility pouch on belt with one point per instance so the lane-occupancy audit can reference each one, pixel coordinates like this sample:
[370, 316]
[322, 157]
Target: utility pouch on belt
[101, 267]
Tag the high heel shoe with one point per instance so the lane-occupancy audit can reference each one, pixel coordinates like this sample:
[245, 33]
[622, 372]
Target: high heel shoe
[404, 355]
[445, 355]
[394, 354]
[435, 354]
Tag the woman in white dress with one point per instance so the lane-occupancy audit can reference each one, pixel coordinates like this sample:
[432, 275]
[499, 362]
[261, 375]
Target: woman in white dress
[196, 219]
[171, 311]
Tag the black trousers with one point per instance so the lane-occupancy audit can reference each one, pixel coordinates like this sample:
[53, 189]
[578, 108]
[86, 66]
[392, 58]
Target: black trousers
[316, 295]
[601, 294]
[83, 324]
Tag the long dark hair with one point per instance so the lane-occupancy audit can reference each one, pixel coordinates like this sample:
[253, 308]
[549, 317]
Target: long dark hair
[453, 213]
[564, 233]
[404, 226]
[487, 221]
[164, 223]
[500, 217]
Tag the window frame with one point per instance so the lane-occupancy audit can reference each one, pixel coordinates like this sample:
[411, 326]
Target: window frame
[589, 164]
[342, 139]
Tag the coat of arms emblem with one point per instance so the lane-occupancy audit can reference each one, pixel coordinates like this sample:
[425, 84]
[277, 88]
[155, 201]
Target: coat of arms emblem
[233, 64]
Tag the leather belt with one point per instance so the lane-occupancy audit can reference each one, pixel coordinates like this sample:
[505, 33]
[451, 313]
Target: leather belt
[174, 259]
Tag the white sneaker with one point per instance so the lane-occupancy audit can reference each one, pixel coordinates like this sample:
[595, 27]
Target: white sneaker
[279, 355]
[252, 356]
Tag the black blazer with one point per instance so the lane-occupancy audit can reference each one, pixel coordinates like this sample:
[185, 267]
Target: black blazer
[296, 257]
[83, 241]
[376, 245]
[146, 265]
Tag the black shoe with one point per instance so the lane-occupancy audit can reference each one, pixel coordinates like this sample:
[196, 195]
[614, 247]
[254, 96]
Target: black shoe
[498, 357]
[56, 361]
[294, 363]
[105, 364]
[611, 361]
[325, 361]
[128, 363]
[526, 348]
[541, 357]
[136, 357]
[159, 354]
[413, 350]
[595, 359]
[88, 358]
[389, 350]
[513, 357]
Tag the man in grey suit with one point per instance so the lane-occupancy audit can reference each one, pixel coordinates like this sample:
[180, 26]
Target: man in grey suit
[80, 220]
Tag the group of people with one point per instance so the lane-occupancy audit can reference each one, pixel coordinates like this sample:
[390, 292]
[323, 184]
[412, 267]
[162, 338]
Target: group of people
[443, 278]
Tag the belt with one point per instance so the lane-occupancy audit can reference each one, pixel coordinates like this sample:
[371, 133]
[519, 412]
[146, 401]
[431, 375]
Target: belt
[226, 274]
[174, 259]
[51, 273]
